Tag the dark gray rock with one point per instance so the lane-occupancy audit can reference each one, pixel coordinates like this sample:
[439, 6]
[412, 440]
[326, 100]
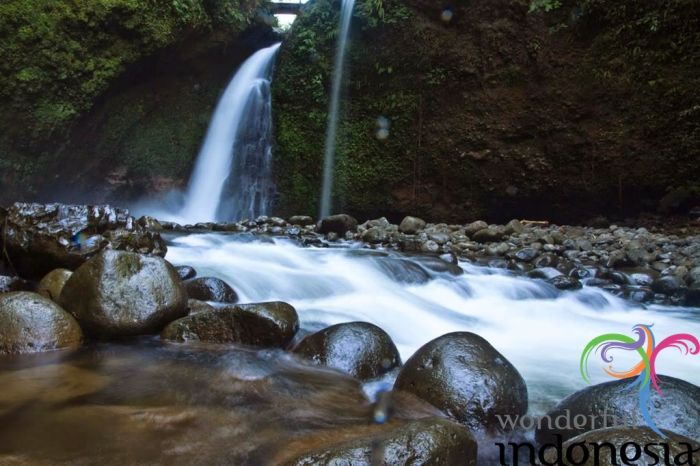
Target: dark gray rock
[210, 289]
[8, 284]
[464, 376]
[185, 272]
[360, 349]
[677, 411]
[338, 224]
[668, 284]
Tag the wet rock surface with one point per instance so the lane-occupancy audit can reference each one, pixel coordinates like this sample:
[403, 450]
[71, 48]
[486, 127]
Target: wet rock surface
[38, 238]
[268, 325]
[678, 410]
[210, 289]
[118, 293]
[360, 349]
[431, 441]
[583, 447]
[31, 323]
[464, 376]
[8, 284]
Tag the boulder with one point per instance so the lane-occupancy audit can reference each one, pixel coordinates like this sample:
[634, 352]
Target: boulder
[678, 410]
[625, 441]
[301, 220]
[118, 293]
[39, 238]
[514, 227]
[269, 325]
[473, 227]
[464, 376]
[564, 282]
[210, 289]
[185, 272]
[668, 284]
[359, 349]
[194, 306]
[429, 441]
[487, 235]
[53, 282]
[411, 225]
[31, 323]
[338, 224]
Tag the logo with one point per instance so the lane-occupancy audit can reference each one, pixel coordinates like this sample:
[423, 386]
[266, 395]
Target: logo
[644, 372]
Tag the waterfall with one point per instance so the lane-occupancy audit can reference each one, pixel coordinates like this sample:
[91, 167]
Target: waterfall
[232, 176]
[332, 129]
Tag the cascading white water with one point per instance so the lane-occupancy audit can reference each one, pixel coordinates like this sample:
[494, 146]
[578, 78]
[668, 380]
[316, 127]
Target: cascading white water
[332, 129]
[238, 140]
[541, 330]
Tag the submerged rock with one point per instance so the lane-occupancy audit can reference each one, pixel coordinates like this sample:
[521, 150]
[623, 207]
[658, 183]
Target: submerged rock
[269, 325]
[464, 376]
[339, 224]
[53, 282]
[430, 441]
[210, 289]
[31, 323]
[360, 349]
[119, 293]
[41, 237]
[678, 410]
[635, 442]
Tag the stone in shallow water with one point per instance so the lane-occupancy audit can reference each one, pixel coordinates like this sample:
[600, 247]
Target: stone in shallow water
[678, 410]
[431, 441]
[360, 349]
[31, 323]
[119, 293]
[624, 439]
[210, 289]
[464, 376]
[268, 325]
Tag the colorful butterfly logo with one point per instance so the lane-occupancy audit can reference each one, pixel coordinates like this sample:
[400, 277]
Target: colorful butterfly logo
[645, 370]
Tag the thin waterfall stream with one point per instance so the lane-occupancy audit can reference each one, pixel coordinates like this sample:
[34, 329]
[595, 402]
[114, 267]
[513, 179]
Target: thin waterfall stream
[332, 129]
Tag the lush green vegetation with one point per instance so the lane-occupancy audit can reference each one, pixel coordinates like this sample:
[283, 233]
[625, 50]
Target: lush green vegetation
[493, 106]
[60, 56]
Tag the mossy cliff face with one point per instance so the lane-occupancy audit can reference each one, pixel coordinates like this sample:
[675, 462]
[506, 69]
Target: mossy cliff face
[494, 110]
[103, 100]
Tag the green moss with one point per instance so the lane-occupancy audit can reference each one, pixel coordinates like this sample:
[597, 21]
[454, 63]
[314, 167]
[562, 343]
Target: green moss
[60, 56]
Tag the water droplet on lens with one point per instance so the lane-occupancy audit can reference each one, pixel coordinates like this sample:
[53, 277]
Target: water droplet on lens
[447, 15]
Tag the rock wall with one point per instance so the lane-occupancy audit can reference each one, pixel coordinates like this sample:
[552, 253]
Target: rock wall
[495, 111]
[107, 100]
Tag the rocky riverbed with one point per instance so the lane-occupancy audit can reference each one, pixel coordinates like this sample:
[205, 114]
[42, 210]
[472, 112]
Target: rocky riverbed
[105, 280]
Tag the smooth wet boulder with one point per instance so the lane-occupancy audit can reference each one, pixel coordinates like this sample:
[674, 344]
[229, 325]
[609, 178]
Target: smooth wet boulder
[430, 441]
[118, 293]
[678, 410]
[360, 349]
[31, 323]
[634, 443]
[339, 224]
[41, 237]
[411, 225]
[464, 376]
[8, 284]
[194, 306]
[488, 235]
[185, 272]
[268, 325]
[668, 284]
[53, 282]
[565, 282]
[210, 289]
